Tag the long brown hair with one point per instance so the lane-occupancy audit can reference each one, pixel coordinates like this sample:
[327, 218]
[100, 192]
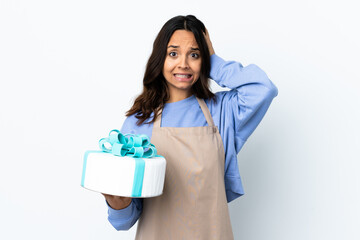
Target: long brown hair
[155, 90]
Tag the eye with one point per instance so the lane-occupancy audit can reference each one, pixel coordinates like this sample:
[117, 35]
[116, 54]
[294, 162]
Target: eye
[172, 54]
[195, 55]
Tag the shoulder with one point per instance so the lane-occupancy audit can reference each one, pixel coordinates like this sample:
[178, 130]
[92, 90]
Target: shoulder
[130, 126]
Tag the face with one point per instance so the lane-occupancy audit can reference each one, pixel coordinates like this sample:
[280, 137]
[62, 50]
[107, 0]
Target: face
[182, 63]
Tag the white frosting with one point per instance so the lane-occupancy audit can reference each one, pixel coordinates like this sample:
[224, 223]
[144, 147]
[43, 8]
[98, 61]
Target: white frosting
[114, 175]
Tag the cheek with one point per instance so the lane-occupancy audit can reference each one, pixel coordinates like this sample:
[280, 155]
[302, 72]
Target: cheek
[197, 68]
[168, 67]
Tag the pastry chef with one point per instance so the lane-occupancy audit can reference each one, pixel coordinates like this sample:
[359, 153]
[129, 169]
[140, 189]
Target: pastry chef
[198, 132]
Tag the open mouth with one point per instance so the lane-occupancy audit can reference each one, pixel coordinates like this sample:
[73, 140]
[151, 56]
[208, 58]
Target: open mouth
[183, 77]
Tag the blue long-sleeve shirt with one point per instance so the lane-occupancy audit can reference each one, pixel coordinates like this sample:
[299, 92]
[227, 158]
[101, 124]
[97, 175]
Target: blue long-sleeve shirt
[236, 114]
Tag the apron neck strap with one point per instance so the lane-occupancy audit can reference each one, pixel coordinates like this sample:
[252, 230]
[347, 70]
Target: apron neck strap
[158, 120]
[204, 109]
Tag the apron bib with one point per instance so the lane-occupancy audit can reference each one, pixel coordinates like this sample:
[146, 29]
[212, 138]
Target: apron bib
[193, 204]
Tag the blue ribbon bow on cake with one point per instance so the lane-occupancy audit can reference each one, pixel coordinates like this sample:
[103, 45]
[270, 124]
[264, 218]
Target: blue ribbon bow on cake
[131, 145]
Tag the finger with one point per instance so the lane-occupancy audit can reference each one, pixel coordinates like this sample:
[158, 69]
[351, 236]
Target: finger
[206, 35]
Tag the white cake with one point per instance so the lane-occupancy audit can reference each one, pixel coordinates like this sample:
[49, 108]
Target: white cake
[122, 175]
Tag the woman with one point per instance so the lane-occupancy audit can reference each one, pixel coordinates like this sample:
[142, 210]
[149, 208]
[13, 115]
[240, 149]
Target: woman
[198, 132]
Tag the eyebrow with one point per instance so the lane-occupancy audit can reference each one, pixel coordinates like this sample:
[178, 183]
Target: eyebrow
[173, 46]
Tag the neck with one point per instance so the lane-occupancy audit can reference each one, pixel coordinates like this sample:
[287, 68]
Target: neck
[179, 96]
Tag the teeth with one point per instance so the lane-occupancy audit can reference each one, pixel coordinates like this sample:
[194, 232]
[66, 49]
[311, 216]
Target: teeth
[182, 76]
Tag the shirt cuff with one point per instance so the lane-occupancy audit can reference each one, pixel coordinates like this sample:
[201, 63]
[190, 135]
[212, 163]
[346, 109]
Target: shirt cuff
[233, 188]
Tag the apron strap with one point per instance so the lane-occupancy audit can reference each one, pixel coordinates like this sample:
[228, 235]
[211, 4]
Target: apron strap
[158, 120]
[204, 109]
[206, 112]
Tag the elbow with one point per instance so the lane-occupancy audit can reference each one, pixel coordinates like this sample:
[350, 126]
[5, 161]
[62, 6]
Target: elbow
[269, 94]
[271, 90]
[266, 95]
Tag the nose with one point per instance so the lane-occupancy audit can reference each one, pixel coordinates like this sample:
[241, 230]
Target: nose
[183, 63]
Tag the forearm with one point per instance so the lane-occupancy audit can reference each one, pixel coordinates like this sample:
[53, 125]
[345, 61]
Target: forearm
[233, 75]
[250, 96]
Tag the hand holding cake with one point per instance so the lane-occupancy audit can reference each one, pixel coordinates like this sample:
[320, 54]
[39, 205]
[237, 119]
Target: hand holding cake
[117, 202]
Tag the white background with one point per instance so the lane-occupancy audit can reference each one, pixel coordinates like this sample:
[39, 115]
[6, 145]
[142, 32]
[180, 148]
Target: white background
[70, 69]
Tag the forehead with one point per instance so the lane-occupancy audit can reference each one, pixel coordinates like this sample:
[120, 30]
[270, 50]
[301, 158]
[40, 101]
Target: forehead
[183, 38]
